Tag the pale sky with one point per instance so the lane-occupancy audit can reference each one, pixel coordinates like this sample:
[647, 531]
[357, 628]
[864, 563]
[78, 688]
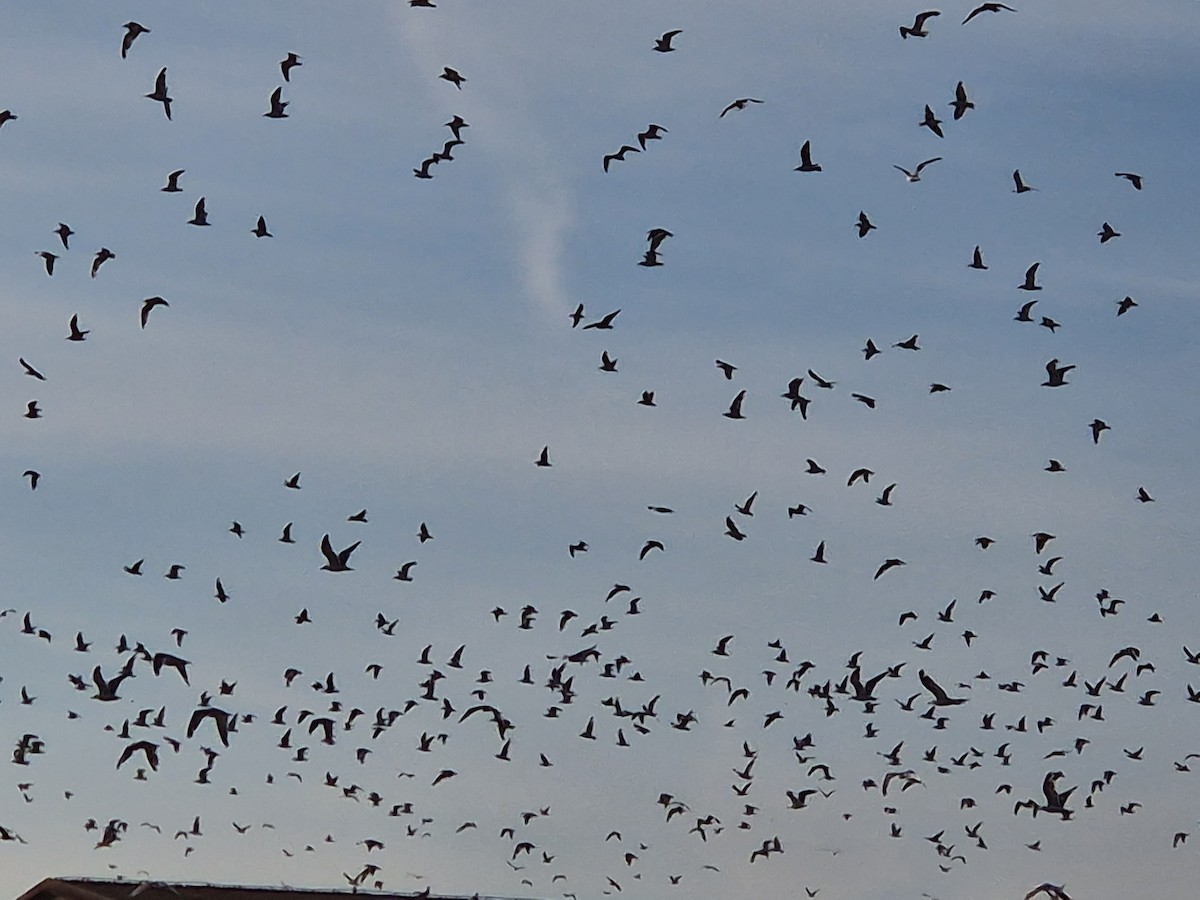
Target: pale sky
[406, 345]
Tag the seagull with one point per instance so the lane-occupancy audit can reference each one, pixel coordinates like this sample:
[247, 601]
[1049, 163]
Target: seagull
[32, 410]
[620, 154]
[604, 323]
[33, 476]
[960, 103]
[132, 31]
[293, 482]
[1106, 233]
[918, 25]
[607, 363]
[819, 554]
[932, 122]
[260, 229]
[1056, 374]
[806, 163]
[1021, 186]
[1132, 178]
[201, 216]
[1030, 283]
[172, 186]
[1098, 426]
[286, 66]
[336, 562]
[731, 529]
[103, 255]
[663, 44]
[1023, 313]
[652, 133]
[986, 7]
[148, 304]
[423, 171]
[64, 231]
[452, 76]
[1124, 306]
[160, 92]
[888, 564]
[456, 125]
[727, 368]
[278, 105]
[863, 225]
[76, 334]
[543, 460]
[915, 176]
[48, 258]
[735, 408]
[940, 698]
[738, 104]
[976, 259]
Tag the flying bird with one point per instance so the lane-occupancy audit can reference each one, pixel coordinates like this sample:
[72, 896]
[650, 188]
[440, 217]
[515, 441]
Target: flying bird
[915, 175]
[652, 133]
[159, 94]
[148, 304]
[932, 122]
[663, 44]
[620, 154]
[1107, 233]
[1055, 374]
[260, 229]
[863, 225]
[738, 104]
[735, 408]
[1132, 178]
[960, 102]
[336, 562]
[64, 232]
[278, 105]
[806, 163]
[292, 61]
[76, 334]
[1021, 186]
[172, 186]
[986, 7]
[102, 256]
[452, 76]
[201, 215]
[918, 25]
[890, 563]
[132, 31]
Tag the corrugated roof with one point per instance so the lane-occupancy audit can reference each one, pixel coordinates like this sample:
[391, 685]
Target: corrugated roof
[104, 889]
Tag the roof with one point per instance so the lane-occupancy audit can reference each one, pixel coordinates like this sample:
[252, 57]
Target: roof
[104, 889]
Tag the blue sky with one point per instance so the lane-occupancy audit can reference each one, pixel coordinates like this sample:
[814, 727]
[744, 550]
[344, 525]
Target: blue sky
[406, 345]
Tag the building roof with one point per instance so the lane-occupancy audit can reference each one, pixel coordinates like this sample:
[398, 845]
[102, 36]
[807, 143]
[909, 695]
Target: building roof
[104, 889]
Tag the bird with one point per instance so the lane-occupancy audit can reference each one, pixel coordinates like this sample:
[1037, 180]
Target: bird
[871, 350]
[918, 25]
[1142, 494]
[1132, 178]
[286, 536]
[543, 459]
[404, 573]
[336, 562]
[1055, 374]
[864, 226]
[260, 229]
[278, 105]
[960, 102]
[607, 363]
[620, 154]
[663, 44]
[915, 175]
[293, 482]
[456, 125]
[1125, 305]
[292, 61]
[890, 563]
[423, 170]
[452, 76]
[7, 115]
[173, 572]
[423, 534]
[885, 499]
[604, 323]
[1098, 427]
[1021, 186]
[806, 163]
[172, 185]
[34, 476]
[735, 408]
[940, 697]
[64, 232]
[76, 334]
[32, 410]
[1106, 233]
[976, 259]
[159, 94]
[102, 256]
[738, 104]
[132, 31]
[732, 530]
[986, 7]
[727, 368]
[652, 133]
[908, 343]
[932, 122]
[647, 399]
[148, 304]
[48, 258]
[819, 554]
[1030, 283]
[201, 214]
[577, 316]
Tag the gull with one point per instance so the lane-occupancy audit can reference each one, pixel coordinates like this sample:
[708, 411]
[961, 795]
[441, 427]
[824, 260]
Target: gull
[871, 350]
[888, 564]
[806, 163]
[201, 216]
[404, 573]
[278, 105]
[260, 229]
[48, 258]
[1056, 374]
[543, 461]
[656, 236]
[452, 76]
[650, 259]
[33, 477]
[286, 536]
[663, 44]
[620, 154]
[940, 698]
[727, 368]
[423, 533]
[455, 125]
[103, 255]
[819, 554]
[1023, 313]
[986, 7]
[738, 104]
[173, 572]
[1132, 178]
[221, 595]
[652, 133]
[76, 334]
[360, 516]
[1040, 540]
[132, 31]
[961, 104]
[1030, 283]
[135, 568]
[64, 231]
[735, 408]
[885, 499]
[604, 324]
[1021, 186]
[423, 170]
[731, 529]
[172, 186]
[286, 66]
[159, 93]
[607, 363]
[1124, 306]
[915, 175]
[1106, 233]
[1098, 426]
[336, 562]
[976, 259]
[6, 115]
[918, 25]
[148, 304]
[577, 316]
[1142, 494]
[293, 482]
[909, 344]
[32, 410]
[932, 122]
[650, 545]
[863, 225]
[647, 399]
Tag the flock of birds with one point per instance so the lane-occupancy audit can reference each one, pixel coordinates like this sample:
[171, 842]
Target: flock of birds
[912, 705]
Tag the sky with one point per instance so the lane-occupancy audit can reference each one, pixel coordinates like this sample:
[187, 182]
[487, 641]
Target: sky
[407, 345]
